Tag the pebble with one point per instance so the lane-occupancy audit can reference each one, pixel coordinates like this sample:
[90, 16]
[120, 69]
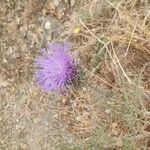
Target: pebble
[72, 2]
[17, 120]
[119, 142]
[108, 111]
[5, 60]
[47, 25]
[3, 82]
[18, 20]
[35, 120]
[57, 2]
[84, 89]
[44, 11]
[2, 141]
[78, 118]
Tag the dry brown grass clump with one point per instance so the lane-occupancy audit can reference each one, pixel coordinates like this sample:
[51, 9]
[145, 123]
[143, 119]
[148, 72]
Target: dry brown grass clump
[114, 49]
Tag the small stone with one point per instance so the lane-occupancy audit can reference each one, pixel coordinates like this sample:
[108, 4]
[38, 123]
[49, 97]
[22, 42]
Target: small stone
[35, 120]
[17, 126]
[23, 146]
[47, 25]
[64, 100]
[57, 2]
[5, 60]
[44, 11]
[56, 115]
[84, 89]
[2, 141]
[114, 125]
[72, 2]
[18, 20]
[119, 142]
[17, 120]
[47, 124]
[3, 82]
[74, 104]
[78, 118]
[108, 111]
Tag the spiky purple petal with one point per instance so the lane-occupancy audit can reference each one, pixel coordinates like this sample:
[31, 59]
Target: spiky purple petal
[56, 67]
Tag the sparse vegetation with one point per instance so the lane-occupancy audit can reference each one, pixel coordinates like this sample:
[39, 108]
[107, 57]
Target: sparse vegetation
[109, 107]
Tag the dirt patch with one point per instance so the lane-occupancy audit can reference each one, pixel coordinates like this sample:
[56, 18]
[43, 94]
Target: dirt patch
[108, 108]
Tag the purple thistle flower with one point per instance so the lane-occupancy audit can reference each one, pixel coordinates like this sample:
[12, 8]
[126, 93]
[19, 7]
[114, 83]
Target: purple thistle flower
[56, 67]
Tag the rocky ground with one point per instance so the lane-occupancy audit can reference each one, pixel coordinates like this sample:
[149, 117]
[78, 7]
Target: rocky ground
[109, 107]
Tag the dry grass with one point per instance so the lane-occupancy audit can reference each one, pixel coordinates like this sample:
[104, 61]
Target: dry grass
[114, 50]
[109, 108]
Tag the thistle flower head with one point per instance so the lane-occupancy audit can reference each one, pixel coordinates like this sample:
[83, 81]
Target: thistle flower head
[56, 67]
